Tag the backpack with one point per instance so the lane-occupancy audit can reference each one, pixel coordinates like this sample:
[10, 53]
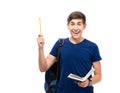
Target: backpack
[52, 75]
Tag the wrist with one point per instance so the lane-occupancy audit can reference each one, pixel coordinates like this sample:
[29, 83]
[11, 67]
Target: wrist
[40, 48]
[90, 82]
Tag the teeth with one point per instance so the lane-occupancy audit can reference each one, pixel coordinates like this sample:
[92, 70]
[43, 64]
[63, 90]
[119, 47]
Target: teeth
[75, 32]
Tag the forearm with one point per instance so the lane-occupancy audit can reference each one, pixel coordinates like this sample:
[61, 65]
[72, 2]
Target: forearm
[41, 60]
[98, 73]
[96, 78]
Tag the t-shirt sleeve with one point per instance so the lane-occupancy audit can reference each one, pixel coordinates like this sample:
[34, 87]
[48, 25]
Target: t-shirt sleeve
[54, 49]
[96, 54]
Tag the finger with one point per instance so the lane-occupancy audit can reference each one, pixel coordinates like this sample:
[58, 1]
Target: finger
[41, 42]
[40, 35]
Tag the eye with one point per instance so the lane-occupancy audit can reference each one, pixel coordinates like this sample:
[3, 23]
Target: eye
[79, 24]
[72, 24]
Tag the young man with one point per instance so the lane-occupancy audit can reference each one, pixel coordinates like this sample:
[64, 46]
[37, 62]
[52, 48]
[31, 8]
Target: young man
[78, 55]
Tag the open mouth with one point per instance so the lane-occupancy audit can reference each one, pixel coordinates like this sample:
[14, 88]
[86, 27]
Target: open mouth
[76, 32]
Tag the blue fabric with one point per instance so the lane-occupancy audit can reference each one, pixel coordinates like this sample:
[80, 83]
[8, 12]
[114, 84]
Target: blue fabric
[76, 59]
[52, 85]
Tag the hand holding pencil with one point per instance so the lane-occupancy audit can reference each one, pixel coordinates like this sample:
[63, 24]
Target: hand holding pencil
[40, 38]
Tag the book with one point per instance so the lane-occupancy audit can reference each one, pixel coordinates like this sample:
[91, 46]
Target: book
[81, 79]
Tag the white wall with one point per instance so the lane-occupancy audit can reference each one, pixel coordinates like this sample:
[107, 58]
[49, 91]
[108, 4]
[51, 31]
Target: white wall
[19, 27]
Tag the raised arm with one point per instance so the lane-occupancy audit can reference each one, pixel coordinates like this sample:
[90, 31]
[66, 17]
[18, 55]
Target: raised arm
[44, 63]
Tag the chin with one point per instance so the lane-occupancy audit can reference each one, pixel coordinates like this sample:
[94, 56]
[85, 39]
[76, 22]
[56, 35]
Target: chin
[75, 37]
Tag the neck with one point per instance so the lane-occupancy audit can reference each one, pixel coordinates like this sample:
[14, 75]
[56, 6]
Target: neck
[76, 40]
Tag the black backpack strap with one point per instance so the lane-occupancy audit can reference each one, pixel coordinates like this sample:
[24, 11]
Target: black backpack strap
[61, 41]
[59, 48]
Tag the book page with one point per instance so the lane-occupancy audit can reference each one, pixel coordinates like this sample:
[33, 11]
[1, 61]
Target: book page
[82, 79]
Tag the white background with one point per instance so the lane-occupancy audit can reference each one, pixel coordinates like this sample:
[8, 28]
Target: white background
[19, 27]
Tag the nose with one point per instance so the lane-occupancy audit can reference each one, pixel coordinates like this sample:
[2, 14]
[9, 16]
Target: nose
[76, 27]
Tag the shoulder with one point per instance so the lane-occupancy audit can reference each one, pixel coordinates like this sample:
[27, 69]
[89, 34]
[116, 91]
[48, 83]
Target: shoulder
[56, 45]
[62, 40]
[90, 43]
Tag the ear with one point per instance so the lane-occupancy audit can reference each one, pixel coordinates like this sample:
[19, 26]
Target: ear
[67, 25]
[85, 25]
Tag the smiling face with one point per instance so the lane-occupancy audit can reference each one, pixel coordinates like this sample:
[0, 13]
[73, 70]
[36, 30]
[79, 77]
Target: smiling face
[76, 27]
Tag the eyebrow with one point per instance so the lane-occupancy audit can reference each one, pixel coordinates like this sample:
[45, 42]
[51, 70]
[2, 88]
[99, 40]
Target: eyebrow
[77, 22]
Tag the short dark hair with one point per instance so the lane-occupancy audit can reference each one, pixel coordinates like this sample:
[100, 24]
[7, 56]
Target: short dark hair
[76, 15]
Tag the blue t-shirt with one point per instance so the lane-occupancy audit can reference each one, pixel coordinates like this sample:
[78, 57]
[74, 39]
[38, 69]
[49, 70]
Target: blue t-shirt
[76, 59]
